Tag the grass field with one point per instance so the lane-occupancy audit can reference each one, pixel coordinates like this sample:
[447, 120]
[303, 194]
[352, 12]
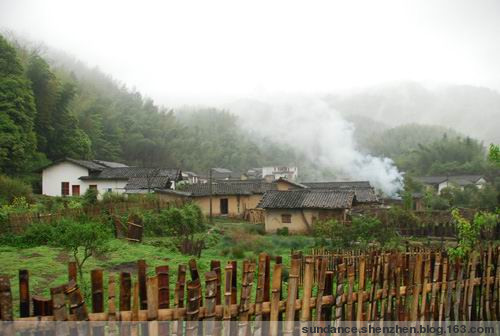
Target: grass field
[229, 240]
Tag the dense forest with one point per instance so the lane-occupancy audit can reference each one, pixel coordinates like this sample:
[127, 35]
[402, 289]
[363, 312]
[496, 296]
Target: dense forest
[54, 106]
[51, 112]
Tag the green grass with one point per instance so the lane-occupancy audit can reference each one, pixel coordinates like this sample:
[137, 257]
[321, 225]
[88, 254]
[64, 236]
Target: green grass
[229, 240]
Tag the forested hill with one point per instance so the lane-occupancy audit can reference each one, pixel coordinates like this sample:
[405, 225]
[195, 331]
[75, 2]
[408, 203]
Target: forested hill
[65, 109]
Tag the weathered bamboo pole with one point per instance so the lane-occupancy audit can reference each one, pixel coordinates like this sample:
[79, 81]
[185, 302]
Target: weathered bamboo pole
[210, 302]
[141, 275]
[96, 277]
[293, 280]
[163, 287]
[125, 291]
[275, 300]
[193, 307]
[6, 313]
[76, 303]
[24, 293]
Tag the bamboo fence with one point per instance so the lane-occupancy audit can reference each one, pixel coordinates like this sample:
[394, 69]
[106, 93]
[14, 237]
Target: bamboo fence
[413, 286]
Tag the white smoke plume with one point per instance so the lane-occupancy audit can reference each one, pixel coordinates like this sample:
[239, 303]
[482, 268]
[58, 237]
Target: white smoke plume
[320, 132]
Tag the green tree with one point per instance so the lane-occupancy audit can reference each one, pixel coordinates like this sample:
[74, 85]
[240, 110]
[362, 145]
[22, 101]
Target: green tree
[494, 154]
[17, 113]
[83, 240]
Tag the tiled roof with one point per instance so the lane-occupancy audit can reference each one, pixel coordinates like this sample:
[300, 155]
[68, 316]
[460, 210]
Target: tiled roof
[362, 189]
[156, 182]
[457, 179]
[307, 199]
[338, 184]
[228, 188]
[110, 164]
[93, 165]
[128, 172]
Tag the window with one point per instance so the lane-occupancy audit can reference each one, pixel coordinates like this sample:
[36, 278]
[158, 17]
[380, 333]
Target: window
[93, 186]
[75, 190]
[64, 188]
[286, 219]
[110, 189]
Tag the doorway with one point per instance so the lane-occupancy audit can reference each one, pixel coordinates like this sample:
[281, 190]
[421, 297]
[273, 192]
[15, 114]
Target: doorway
[224, 206]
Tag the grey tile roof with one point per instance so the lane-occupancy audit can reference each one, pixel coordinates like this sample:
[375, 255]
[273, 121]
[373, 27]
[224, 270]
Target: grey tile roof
[92, 165]
[128, 172]
[110, 164]
[457, 179]
[362, 189]
[228, 188]
[156, 182]
[307, 199]
[338, 184]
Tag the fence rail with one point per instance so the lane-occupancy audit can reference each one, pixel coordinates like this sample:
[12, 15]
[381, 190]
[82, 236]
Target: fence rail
[18, 222]
[413, 286]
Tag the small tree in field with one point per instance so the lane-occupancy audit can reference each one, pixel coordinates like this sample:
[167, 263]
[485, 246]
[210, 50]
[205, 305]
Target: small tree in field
[83, 240]
[183, 224]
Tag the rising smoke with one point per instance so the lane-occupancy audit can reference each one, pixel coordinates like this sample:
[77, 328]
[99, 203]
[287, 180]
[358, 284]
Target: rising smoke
[320, 132]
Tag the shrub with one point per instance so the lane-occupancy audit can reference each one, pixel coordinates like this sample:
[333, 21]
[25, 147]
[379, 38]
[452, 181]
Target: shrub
[282, 231]
[90, 197]
[11, 188]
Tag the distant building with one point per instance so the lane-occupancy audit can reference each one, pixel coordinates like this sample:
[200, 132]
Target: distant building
[190, 177]
[70, 177]
[229, 198]
[276, 172]
[438, 183]
[299, 209]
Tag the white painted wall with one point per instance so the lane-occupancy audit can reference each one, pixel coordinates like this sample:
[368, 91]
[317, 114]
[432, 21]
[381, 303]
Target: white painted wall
[290, 173]
[53, 176]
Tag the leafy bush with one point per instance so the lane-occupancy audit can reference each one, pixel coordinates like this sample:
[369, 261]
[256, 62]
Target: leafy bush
[11, 188]
[113, 197]
[90, 197]
[282, 231]
[362, 231]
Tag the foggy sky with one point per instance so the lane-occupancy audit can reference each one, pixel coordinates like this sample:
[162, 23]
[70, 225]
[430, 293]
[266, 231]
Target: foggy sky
[208, 51]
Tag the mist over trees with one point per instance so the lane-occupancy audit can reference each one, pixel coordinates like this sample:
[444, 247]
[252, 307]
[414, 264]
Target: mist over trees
[52, 106]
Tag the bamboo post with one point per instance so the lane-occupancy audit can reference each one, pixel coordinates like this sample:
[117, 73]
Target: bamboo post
[227, 298]
[305, 310]
[425, 290]
[339, 292]
[444, 284]
[259, 294]
[246, 292]
[361, 288]
[41, 306]
[111, 297]
[59, 309]
[293, 279]
[152, 298]
[76, 303]
[215, 266]
[141, 274]
[179, 297]
[24, 293]
[97, 291]
[417, 288]
[125, 291]
[210, 302]
[5, 299]
[350, 278]
[193, 307]
[435, 278]
[275, 300]
[163, 287]
[457, 311]
[321, 288]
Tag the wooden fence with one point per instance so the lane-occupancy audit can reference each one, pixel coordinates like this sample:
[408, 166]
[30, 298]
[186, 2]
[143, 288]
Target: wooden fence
[18, 222]
[419, 286]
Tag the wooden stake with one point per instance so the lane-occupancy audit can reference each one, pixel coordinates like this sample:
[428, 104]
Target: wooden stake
[24, 293]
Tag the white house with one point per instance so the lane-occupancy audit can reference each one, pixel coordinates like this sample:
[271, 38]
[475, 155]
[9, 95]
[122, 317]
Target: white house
[70, 177]
[277, 172]
[457, 181]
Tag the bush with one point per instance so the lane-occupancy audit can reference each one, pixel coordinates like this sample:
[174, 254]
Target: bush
[90, 197]
[282, 231]
[11, 188]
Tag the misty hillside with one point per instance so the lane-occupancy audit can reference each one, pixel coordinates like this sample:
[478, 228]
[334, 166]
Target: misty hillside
[474, 111]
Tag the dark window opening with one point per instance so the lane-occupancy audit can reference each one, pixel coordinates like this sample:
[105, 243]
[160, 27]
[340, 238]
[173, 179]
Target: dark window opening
[224, 208]
[65, 188]
[93, 186]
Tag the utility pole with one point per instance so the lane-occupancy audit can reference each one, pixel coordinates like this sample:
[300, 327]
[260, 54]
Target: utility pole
[210, 190]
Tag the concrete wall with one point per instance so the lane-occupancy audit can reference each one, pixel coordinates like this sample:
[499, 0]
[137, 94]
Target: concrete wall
[53, 176]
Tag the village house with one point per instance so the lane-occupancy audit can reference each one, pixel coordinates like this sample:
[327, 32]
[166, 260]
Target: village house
[299, 209]
[70, 177]
[438, 183]
[229, 198]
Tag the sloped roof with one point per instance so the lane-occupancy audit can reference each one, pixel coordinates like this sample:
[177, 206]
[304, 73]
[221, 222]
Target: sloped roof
[92, 165]
[128, 172]
[220, 188]
[307, 199]
[338, 184]
[156, 182]
[457, 179]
